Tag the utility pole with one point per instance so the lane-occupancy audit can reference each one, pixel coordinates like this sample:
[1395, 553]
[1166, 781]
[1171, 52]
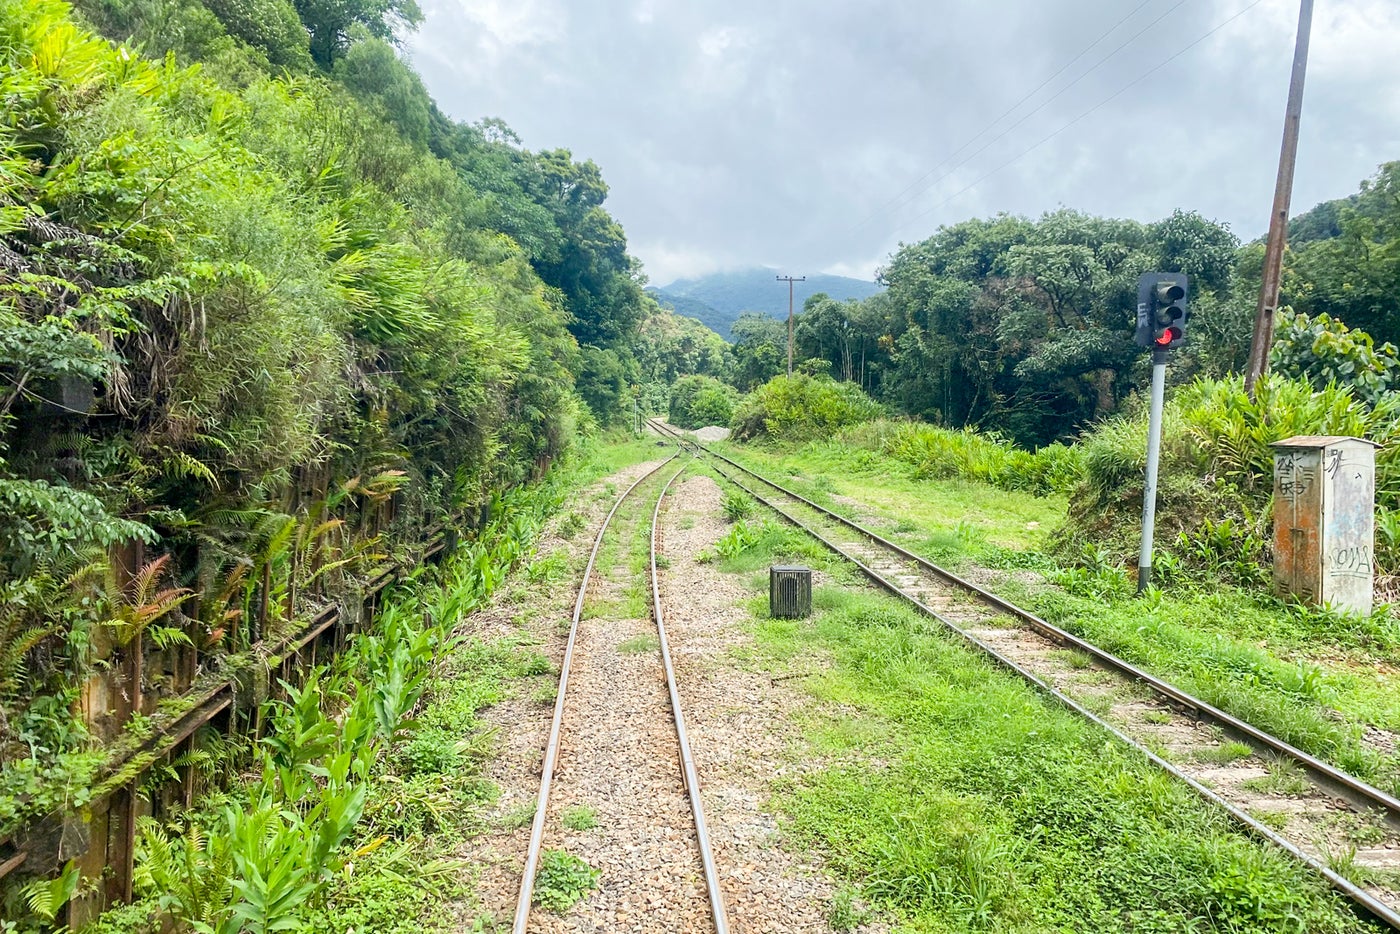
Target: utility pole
[790, 280]
[1278, 222]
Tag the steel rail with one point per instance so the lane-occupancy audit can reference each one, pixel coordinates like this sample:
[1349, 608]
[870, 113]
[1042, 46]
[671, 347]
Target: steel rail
[551, 754]
[1355, 790]
[692, 778]
[1362, 899]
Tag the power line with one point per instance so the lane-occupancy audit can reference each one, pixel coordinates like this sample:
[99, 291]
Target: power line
[900, 199]
[1004, 114]
[1119, 93]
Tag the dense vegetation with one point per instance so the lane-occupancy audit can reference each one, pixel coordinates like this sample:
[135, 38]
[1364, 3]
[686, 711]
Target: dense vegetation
[267, 317]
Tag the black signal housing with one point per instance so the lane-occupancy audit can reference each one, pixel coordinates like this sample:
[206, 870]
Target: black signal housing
[1162, 312]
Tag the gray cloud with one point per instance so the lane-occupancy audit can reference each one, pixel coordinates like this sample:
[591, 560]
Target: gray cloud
[735, 134]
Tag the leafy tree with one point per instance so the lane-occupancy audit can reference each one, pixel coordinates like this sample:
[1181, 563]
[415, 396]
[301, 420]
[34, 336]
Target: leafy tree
[1354, 277]
[1326, 352]
[1026, 327]
[760, 349]
[697, 401]
[668, 346]
[374, 73]
[331, 22]
[271, 26]
[852, 336]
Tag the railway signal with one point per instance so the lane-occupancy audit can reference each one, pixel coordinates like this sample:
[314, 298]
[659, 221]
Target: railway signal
[1161, 324]
[1162, 312]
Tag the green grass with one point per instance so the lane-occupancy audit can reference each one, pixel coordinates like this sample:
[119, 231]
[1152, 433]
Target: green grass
[1226, 753]
[579, 817]
[1314, 678]
[639, 645]
[1212, 645]
[907, 506]
[959, 800]
[956, 799]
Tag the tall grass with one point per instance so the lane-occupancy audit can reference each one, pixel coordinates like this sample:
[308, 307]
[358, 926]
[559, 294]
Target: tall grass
[1217, 462]
[967, 454]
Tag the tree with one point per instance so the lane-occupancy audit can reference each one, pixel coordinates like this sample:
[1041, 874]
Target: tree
[331, 23]
[1354, 277]
[853, 336]
[1026, 327]
[760, 349]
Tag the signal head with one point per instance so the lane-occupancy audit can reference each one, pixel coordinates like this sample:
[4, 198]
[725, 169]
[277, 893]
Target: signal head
[1162, 313]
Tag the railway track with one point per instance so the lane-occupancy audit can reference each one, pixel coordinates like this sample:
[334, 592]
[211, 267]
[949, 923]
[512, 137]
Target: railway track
[1174, 730]
[677, 754]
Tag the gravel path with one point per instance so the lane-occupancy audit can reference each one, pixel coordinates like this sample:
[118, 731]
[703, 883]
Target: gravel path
[538, 613]
[740, 723]
[619, 758]
[741, 727]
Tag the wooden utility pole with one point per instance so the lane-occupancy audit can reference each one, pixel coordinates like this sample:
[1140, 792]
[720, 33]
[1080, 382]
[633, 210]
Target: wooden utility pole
[790, 280]
[1278, 221]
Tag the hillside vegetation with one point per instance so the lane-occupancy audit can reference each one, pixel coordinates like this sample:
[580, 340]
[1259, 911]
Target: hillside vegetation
[267, 318]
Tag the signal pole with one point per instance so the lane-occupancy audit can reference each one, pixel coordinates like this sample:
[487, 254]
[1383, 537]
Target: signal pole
[1278, 221]
[1162, 316]
[790, 280]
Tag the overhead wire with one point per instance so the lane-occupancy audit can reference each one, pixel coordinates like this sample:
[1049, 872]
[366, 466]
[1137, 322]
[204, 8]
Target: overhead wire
[1004, 114]
[900, 200]
[1116, 94]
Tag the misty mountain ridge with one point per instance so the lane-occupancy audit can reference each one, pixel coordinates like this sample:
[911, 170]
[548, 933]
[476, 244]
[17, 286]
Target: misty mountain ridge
[718, 299]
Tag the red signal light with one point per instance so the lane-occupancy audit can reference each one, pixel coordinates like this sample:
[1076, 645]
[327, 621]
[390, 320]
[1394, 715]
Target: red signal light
[1169, 335]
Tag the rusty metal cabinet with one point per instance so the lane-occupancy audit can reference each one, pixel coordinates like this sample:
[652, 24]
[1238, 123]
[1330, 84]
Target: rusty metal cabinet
[1324, 520]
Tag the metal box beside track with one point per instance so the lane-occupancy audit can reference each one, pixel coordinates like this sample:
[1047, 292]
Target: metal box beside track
[1324, 520]
[789, 591]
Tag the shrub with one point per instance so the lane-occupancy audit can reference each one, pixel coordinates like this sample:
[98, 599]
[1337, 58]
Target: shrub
[697, 401]
[1216, 460]
[1324, 351]
[966, 454]
[802, 408]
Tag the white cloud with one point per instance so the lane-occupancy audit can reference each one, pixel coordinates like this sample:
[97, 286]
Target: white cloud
[732, 133]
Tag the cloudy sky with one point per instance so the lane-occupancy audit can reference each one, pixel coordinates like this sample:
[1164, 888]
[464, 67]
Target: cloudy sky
[817, 136]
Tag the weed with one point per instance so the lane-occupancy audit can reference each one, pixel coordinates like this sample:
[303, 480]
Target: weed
[741, 537]
[579, 817]
[531, 662]
[550, 569]
[572, 524]
[1074, 658]
[1342, 861]
[1225, 753]
[1285, 779]
[639, 645]
[737, 505]
[847, 912]
[546, 694]
[563, 880]
[522, 815]
[1274, 820]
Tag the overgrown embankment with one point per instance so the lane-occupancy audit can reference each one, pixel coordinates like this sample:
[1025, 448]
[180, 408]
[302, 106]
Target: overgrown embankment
[268, 321]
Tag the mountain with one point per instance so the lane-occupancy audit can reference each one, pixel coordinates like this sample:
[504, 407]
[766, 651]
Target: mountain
[719, 299]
